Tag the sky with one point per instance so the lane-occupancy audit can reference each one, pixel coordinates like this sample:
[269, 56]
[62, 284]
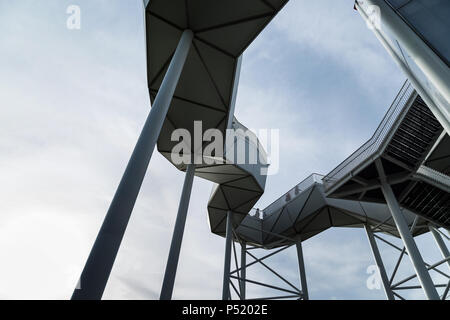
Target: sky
[72, 106]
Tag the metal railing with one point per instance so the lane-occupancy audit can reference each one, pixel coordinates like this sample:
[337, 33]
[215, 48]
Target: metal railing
[371, 147]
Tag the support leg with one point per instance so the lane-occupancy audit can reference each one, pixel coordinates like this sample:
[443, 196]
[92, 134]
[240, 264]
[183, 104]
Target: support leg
[441, 244]
[101, 259]
[379, 262]
[226, 265]
[177, 236]
[410, 245]
[243, 269]
[301, 267]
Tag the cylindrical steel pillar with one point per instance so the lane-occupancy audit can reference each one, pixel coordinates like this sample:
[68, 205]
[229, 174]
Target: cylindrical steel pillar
[101, 259]
[301, 268]
[379, 262]
[227, 260]
[177, 236]
[243, 269]
[410, 245]
[429, 63]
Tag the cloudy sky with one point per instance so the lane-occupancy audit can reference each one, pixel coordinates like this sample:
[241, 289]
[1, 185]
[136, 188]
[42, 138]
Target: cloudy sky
[72, 103]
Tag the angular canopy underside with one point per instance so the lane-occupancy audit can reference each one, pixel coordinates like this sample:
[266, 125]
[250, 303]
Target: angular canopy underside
[222, 29]
[309, 214]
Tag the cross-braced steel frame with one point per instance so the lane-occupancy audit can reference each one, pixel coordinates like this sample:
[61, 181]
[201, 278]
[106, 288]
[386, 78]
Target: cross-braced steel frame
[235, 280]
[392, 285]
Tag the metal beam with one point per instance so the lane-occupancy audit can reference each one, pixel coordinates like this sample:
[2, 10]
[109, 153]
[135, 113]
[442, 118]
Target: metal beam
[432, 267]
[243, 269]
[267, 285]
[441, 244]
[405, 234]
[177, 236]
[302, 271]
[371, 184]
[379, 262]
[275, 273]
[227, 259]
[444, 295]
[260, 259]
[406, 253]
[101, 258]
[397, 265]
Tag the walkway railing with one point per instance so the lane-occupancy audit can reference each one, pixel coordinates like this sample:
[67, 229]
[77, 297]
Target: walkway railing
[371, 147]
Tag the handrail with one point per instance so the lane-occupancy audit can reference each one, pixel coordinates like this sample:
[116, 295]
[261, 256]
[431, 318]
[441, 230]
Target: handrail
[371, 146]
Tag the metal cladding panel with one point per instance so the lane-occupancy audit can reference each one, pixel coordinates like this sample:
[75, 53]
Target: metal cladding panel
[351, 206]
[232, 38]
[319, 223]
[271, 219]
[216, 219]
[314, 202]
[246, 182]
[237, 197]
[284, 222]
[205, 14]
[224, 169]
[250, 228]
[218, 199]
[339, 218]
[295, 206]
[216, 177]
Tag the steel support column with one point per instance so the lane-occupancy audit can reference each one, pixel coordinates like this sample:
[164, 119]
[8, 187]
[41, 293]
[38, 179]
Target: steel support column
[177, 236]
[379, 262]
[227, 260]
[302, 271]
[428, 62]
[243, 269]
[441, 244]
[101, 258]
[410, 245]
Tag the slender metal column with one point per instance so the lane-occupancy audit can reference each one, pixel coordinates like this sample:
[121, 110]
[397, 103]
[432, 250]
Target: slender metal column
[243, 269]
[425, 58]
[227, 260]
[301, 268]
[177, 236]
[433, 67]
[101, 259]
[441, 244]
[410, 245]
[379, 262]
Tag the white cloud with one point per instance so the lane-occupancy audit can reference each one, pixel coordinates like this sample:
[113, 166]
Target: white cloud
[72, 108]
